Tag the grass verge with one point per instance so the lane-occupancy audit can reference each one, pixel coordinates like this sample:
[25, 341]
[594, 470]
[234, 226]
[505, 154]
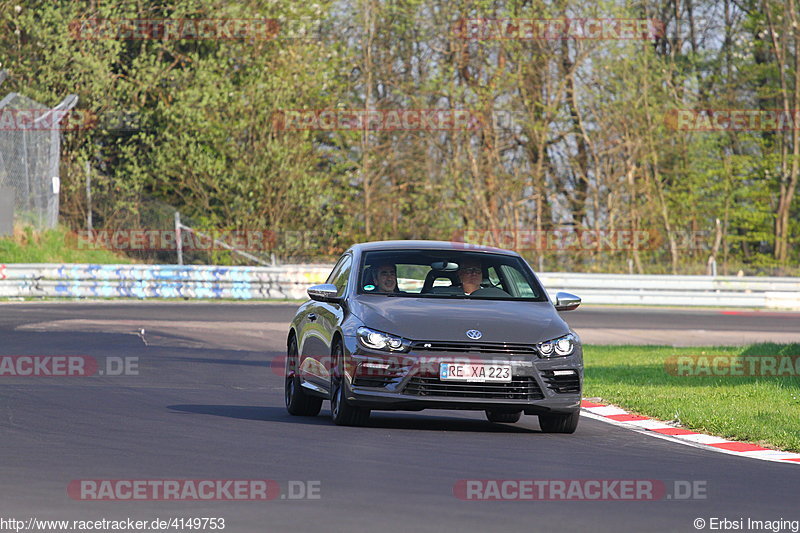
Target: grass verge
[764, 410]
[52, 246]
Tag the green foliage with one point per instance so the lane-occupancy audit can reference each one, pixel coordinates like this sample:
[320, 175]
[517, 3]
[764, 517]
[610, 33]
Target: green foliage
[53, 246]
[756, 409]
[589, 144]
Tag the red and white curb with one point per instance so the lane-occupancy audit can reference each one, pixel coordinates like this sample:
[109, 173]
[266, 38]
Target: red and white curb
[657, 428]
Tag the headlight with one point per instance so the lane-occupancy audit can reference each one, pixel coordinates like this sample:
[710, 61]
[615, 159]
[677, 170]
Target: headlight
[376, 340]
[559, 347]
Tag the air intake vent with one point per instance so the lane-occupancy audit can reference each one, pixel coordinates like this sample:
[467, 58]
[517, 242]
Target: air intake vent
[520, 388]
[562, 381]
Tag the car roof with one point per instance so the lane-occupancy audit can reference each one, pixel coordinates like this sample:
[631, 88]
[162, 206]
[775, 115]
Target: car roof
[428, 245]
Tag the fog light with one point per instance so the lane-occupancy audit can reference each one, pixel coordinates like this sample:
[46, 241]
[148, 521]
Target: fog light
[380, 366]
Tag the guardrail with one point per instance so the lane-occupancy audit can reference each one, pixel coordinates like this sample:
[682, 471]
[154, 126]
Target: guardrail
[724, 291]
[158, 281]
[291, 281]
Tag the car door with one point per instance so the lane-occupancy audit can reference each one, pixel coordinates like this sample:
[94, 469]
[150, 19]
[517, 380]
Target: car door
[318, 325]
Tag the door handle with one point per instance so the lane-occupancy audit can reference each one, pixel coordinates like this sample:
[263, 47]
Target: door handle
[312, 317]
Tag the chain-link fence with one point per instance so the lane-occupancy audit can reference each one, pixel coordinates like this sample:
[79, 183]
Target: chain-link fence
[30, 142]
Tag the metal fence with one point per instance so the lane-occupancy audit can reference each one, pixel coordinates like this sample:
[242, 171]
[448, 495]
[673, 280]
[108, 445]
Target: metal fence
[30, 144]
[158, 281]
[291, 281]
[720, 291]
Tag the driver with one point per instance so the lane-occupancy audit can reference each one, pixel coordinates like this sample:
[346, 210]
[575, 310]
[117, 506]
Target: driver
[471, 274]
[386, 278]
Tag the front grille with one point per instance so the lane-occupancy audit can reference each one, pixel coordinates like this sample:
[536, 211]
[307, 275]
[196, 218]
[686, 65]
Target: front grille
[473, 347]
[565, 383]
[520, 388]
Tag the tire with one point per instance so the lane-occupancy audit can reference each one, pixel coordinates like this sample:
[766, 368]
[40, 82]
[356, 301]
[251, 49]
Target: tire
[342, 412]
[501, 417]
[558, 423]
[298, 401]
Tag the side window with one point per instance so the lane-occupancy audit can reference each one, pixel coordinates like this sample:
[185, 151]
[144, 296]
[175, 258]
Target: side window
[340, 274]
[494, 279]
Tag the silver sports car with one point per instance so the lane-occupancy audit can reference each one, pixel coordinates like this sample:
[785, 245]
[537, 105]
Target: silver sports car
[412, 325]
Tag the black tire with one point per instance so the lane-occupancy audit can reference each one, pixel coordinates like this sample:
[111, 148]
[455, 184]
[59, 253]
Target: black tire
[501, 417]
[558, 423]
[342, 412]
[298, 401]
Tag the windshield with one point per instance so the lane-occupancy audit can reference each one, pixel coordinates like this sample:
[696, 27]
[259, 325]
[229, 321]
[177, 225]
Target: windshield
[447, 274]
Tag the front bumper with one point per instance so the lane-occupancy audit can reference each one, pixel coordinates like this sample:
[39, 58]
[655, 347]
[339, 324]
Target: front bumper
[410, 381]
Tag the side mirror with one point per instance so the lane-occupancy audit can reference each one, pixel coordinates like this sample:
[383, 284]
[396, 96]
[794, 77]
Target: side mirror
[566, 301]
[327, 292]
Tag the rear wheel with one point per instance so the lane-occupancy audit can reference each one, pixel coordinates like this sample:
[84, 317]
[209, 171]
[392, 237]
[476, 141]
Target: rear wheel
[342, 412]
[298, 401]
[503, 417]
[559, 423]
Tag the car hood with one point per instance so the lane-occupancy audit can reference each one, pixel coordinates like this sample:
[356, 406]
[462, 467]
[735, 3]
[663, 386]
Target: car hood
[442, 319]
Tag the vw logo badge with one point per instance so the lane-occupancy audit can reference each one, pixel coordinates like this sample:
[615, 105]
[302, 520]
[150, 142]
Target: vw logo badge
[474, 334]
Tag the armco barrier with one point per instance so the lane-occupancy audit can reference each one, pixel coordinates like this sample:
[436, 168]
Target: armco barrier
[291, 281]
[158, 281]
[724, 291]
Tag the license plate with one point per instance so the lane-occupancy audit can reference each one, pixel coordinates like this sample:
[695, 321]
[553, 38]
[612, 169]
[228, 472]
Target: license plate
[474, 372]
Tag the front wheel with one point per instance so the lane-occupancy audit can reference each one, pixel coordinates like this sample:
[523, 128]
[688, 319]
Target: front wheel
[343, 413]
[559, 423]
[298, 401]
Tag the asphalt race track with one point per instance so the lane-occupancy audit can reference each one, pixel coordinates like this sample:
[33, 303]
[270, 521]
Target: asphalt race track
[206, 404]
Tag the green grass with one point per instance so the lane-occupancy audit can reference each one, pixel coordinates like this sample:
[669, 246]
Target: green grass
[764, 410]
[52, 246]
